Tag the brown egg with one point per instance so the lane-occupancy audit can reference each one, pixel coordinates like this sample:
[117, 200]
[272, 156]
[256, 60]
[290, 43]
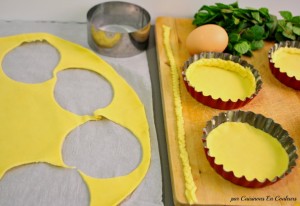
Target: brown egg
[207, 38]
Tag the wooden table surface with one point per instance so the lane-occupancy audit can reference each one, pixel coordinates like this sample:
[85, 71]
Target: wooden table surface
[274, 100]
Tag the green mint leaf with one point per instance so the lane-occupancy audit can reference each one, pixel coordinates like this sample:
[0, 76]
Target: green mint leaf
[289, 35]
[264, 12]
[296, 20]
[248, 35]
[289, 26]
[229, 47]
[296, 30]
[242, 26]
[242, 15]
[242, 47]
[234, 5]
[272, 25]
[255, 32]
[247, 28]
[281, 25]
[287, 15]
[279, 37]
[266, 35]
[211, 10]
[249, 53]
[226, 11]
[257, 45]
[236, 20]
[223, 6]
[256, 16]
[204, 19]
[201, 14]
[234, 37]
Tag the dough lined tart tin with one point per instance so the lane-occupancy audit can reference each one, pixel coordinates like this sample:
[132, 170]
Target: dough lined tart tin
[218, 80]
[279, 138]
[289, 80]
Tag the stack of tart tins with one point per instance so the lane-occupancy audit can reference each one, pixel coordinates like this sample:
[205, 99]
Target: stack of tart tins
[221, 80]
[284, 58]
[248, 149]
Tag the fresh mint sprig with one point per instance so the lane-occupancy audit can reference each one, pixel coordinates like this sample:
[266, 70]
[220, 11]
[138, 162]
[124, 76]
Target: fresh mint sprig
[248, 28]
[288, 27]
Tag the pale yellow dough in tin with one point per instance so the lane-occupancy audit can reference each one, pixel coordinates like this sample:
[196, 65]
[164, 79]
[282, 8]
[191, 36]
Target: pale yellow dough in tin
[221, 79]
[287, 60]
[247, 151]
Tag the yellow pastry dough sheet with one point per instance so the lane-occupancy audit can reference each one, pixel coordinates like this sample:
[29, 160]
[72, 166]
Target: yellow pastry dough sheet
[38, 134]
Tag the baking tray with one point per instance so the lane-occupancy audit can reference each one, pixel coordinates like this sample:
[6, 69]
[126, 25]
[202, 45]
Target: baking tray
[275, 101]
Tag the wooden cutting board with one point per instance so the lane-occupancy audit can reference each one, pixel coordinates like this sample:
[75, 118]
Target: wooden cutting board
[274, 100]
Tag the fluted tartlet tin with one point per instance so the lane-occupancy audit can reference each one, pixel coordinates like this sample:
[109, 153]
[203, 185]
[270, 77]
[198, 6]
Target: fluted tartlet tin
[260, 122]
[118, 29]
[209, 100]
[283, 76]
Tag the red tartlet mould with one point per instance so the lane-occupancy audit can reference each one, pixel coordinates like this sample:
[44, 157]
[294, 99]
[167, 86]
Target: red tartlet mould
[260, 122]
[209, 100]
[282, 76]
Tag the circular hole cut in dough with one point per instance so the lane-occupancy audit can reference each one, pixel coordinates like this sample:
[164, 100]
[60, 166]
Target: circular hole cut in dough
[43, 184]
[102, 149]
[82, 91]
[31, 62]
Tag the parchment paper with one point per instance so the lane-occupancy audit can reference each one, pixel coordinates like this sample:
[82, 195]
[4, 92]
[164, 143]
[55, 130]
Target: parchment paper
[101, 149]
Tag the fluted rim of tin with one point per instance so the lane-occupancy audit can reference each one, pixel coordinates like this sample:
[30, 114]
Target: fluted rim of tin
[283, 77]
[263, 123]
[228, 57]
[282, 44]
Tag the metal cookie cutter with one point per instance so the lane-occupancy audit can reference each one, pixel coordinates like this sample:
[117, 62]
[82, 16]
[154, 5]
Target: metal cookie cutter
[118, 29]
